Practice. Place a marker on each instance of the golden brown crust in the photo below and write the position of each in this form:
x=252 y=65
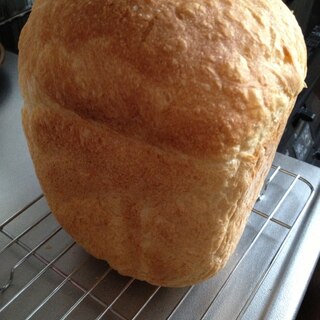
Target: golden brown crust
x=152 y=124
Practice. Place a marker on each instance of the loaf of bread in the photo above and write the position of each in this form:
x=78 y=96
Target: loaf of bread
x=152 y=123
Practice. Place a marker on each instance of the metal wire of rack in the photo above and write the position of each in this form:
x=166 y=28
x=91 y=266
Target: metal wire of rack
x=45 y=274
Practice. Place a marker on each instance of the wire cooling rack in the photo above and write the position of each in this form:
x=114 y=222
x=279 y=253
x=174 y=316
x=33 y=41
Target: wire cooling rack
x=44 y=274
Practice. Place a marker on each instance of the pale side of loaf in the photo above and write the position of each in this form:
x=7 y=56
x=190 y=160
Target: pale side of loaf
x=152 y=123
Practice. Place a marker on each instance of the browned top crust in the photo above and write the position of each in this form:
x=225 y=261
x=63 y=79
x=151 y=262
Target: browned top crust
x=201 y=77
